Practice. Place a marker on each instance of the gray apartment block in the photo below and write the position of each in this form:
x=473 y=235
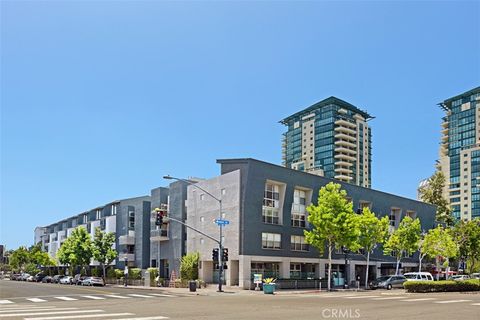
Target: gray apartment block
x=128 y=218
x=265 y=205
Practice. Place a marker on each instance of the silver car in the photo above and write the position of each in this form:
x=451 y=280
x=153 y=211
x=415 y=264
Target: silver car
x=93 y=281
x=388 y=282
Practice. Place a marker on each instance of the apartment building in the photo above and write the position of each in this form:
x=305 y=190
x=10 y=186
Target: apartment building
x=266 y=207
x=129 y=219
x=460 y=153
x=331 y=138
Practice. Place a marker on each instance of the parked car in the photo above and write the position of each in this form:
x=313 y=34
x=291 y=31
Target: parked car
x=31 y=279
x=388 y=282
x=66 y=280
x=93 y=281
x=56 y=278
x=475 y=276
x=24 y=277
x=39 y=276
x=47 y=279
x=460 y=277
x=15 y=276
x=418 y=276
x=78 y=279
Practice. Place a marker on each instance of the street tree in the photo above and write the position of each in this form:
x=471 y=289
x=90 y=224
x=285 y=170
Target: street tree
x=334 y=224
x=403 y=240
x=76 y=250
x=432 y=192
x=372 y=232
x=19 y=258
x=102 y=248
x=467 y=235
x=439 y=243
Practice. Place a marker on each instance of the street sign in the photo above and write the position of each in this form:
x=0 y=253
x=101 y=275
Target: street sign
x=222 y=222
x=257 y=278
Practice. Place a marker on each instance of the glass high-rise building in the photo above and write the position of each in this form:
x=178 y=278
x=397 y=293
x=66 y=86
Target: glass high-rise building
x=460 y=153
x=330 y=138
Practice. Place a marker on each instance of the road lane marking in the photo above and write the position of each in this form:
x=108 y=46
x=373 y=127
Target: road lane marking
x=34 y=309
x=94 y=297
x=145 y=318
x=46 y=313
x=452 y=301
x=419 y=299
x=360 y=297
x=115 y=296
x=84 y=316
x=65 y=298
x=475 y=304
x=36 y=300
x=139 y=295
x=5 y=301
x=162 y=295
x=388 y=298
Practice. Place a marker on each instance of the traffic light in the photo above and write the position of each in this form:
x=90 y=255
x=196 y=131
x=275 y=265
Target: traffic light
x=215 y=254
x=225 y=255
x=159 y=216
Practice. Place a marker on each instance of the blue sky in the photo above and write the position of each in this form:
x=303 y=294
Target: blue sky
x=99 y=100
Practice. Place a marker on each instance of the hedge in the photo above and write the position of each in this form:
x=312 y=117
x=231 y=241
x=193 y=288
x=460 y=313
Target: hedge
x=442 y=286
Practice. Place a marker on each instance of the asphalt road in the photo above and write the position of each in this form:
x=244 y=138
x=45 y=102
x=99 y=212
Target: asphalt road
x=105 y=303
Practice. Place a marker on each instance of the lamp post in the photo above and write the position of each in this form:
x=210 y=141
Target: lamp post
x=345 y=251
x=125 y=271
x=220 y=241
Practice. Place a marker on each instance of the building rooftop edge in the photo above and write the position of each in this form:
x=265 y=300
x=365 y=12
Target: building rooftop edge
x=461 y=95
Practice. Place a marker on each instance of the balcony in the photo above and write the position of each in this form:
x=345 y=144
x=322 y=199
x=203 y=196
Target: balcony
x=345 y=123
x=345 y=156
x=343 y=170
x=343 y=177
x=126 y=240
x=344 y=136
x=345 y=130
x=345 y=150
x=343 y=163
x=159 y=235
x=345 y=143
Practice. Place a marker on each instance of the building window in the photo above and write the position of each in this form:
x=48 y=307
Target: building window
x=224 y=191
x=114 y=209
x=297 y=243
x=131 y=218
x=298 y=216
x=98 y=214
x=202 y=197
x=411 y=214
x=363 y=204
x=271 y=240
x=394 y=217
x=295 y=271
x=271 y=204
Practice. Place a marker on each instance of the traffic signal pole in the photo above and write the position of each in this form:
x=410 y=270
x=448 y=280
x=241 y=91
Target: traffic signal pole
x=220 y=253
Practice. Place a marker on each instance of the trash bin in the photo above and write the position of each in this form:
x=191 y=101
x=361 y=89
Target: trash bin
x=192 y=285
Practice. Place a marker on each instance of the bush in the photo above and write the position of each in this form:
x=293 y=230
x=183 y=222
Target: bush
x=96 y=272
x=189 y=266
x=442 y=286
x=153 y=272
x=135 y=273
x=118 y=273
x=111 y=274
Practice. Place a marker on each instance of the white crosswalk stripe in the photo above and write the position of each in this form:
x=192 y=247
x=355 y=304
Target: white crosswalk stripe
x=65 y=298
x=163 y=295
x=83 y=316
x=94 y=297
x=115 y=296
x=360 y=297
x=139 y=295
x=475 y=304
x=22 y=309
x=36 y=300
x=419 y=299
x=5 y=301
x=145 y=318
x=451 y=301
x=46 y=313
x=388 y=298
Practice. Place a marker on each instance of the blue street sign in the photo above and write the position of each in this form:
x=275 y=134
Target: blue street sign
x=222 y=222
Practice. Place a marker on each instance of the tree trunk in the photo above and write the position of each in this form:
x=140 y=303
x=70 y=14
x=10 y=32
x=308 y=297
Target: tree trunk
x=438 y=267
x=366 y=272
x=398 y=265
x=104 y=276
x=329 y=286
x=420 y=258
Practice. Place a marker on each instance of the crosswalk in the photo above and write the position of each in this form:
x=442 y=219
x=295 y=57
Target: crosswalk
x=402 y=298
x=40 y=300
x=33 y=312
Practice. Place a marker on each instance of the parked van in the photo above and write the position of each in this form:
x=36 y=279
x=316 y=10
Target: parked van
x=418 y=276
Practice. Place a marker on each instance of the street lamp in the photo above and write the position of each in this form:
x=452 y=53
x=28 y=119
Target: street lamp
x=220 y=241
x=345 y=252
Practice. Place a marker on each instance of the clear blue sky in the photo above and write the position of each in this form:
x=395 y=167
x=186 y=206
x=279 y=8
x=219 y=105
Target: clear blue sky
x=99 y=100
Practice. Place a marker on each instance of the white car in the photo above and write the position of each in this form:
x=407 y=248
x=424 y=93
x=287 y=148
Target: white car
x=66 y=280
x=460 y=277
x=418 y=276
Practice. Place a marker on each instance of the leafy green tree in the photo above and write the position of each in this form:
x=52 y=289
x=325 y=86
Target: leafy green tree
x=76 y=250
x=189 y=266
x=467 y=235
x=334 y=224
x=19 y=258
x=404 y=240
x=432 y=192
x=373 y=231
x=438 y=243
x=39 y=257
x=102 y=247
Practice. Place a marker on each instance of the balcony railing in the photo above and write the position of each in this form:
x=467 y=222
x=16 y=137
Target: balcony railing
x=159 y=235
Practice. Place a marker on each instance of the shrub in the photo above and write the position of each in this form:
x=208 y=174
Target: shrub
x=153 y=272
x=118 y=273
x=135 y=273
x=189 y=266
x=96 y=272
x=111 y=274
x=442 y=286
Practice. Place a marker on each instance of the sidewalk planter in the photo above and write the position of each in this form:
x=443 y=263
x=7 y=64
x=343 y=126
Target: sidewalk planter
x=269 y=288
